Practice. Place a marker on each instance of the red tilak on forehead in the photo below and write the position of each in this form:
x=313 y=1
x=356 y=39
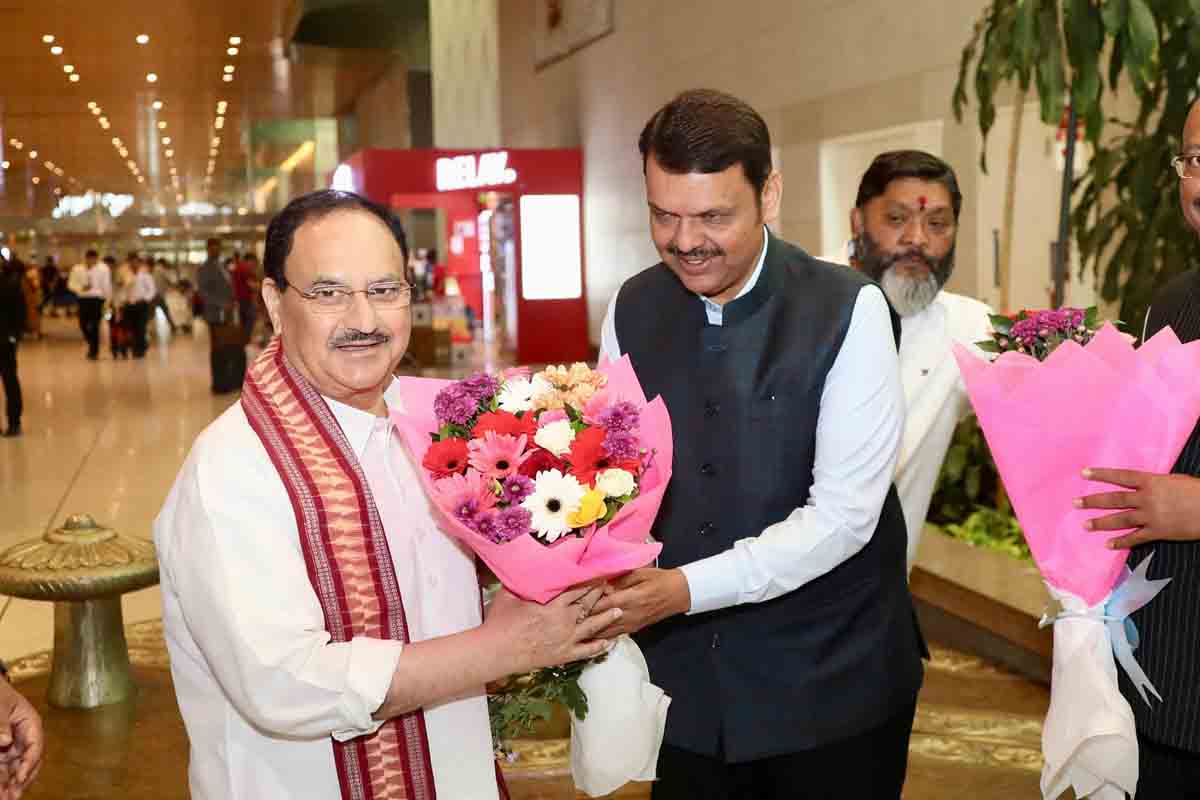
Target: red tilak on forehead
x=923 y=201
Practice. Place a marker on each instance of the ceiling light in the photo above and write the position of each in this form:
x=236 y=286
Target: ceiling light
x=15 y=142
x=68 y=68
x=96 y=111
x=216 y=141
x=157 y=105
x=141 y=179
x=4 y=164
x=131 y=165
x=166 y=140
x=33 y=154
x=36 y=180
x=116 y=141
x=162 y=124
x=92 y=105
x=57 y=190
x=169 y=154
x=56 y=50
x=104 y=124
x=233 y=40
x=124 y=152
x=233 y=51
x=220 y=123
x=213 y=152
x=227 y=78
x=75 y=78
x=151 y=77
x=48 y=38
x=50 y=165
x=142 y=38
x=58 y=171
x=229 y=68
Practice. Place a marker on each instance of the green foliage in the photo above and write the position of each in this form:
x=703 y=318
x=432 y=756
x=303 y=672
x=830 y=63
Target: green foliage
x=1126 y=219
x=524 y=700
x=969 y=501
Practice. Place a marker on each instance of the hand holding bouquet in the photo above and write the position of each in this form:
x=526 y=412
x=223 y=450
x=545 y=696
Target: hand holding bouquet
x=1060 y=397
x=554 y=480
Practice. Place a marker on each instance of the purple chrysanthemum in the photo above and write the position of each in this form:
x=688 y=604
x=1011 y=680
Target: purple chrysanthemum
x=515 y=488
x=621 y=445
x=485 y=525
x=621 y=416
x=455 y=405
x=480 y=386
x=512 y=522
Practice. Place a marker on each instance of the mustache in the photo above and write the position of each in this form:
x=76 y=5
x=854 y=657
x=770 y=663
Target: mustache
x=913 y=254
x=355 y=336
x=697 y=252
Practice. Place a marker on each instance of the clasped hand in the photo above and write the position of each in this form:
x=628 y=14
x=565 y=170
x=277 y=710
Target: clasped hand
x=1156 y=507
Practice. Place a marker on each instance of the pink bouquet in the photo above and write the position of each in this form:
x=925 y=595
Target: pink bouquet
x=553 y=479
x=1056 y=400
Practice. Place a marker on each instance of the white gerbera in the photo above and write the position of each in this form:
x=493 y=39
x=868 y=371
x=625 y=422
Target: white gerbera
x=615 y=482
x=556 y=437
x=555 y=497
x=516 y=395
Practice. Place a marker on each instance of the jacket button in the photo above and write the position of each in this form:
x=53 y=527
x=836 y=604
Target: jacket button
x=707 y=470
x=711 y=409
x=706 y=529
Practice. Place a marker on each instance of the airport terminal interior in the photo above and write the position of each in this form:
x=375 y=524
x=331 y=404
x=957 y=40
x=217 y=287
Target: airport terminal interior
x=162 y=138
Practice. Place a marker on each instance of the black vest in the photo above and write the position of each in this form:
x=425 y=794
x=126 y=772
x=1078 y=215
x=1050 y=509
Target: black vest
x=837 y=656
x=1169 y=626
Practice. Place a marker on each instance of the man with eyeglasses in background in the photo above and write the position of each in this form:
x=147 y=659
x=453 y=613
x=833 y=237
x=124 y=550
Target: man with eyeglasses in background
x=325 y=636
x=1164 y=513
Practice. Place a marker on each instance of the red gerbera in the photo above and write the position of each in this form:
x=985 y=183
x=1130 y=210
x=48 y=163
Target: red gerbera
x=541 y=460
x=589 y=457
x=445 y=458
x=503 y=422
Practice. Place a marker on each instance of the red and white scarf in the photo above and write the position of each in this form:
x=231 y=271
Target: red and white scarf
x=348 y=562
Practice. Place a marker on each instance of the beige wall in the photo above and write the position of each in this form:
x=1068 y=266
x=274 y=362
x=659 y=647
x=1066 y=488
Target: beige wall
x=382 y=110
x=815 y=70
x=464 y=58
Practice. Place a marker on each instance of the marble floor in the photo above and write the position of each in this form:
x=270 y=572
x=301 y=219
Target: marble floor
x=107 y=437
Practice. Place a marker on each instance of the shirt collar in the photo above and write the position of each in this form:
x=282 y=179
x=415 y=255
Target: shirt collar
x=358 y=425
x=716 y=311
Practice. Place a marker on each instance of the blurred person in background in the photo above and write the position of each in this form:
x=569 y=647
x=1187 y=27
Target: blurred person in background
x=120 y=329
x=31 y=285
x=94 y=289
x=163 y=281
x=12 y=326
x=142 y=293
x=246 y=290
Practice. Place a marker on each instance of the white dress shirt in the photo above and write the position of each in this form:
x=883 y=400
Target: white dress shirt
x=857 y=439
x=99 y=282
x=144 y=290
x=936 y=398
x=260 y=686
x=77 y=280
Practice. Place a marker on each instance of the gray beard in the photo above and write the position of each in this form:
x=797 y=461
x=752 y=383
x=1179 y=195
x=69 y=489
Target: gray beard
x=909 y=296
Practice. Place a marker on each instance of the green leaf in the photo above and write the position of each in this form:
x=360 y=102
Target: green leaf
x=1091 y=318
x=989 y=346
x=1000 y=323
x=1115 y=13
x=1025 y=38
x=1143 y=32
x=1050 y=78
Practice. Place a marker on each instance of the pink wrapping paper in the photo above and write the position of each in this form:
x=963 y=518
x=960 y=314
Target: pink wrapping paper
x=1103 y=405
x=525 y=566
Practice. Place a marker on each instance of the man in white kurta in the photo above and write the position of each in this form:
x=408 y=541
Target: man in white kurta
x=905 y=224
x=263 y=690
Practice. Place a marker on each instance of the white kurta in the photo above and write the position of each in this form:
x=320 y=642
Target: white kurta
x=260 y=686
x=935 y=396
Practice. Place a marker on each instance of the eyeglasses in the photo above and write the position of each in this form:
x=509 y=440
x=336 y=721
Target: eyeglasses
x=338 y=299
x=1187 y=165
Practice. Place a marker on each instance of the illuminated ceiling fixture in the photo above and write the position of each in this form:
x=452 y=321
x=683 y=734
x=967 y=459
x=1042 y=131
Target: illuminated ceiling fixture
x=220 y=123
x=58 y=171
x=216 y=141
x=227 y=78
x=50 y=166
x=5 y=164
x=92 y=105
x=68 y=68
x=162 y=124
x=169 y=154
x=96 y=111
x=157 y=105
x=233 y=51
x=75 y=78
x=56 y=50
x=32 y=154
x=151 y=77
x=36 y=180
x=141 y=179
x=116 y=141
x=142 y=38
x=302 y=152
x=166 y=140
x=229 y=69
x=48 y=38
x=233 y=40
x=213 y=152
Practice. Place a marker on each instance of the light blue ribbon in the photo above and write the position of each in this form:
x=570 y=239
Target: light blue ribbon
x=1132 y=592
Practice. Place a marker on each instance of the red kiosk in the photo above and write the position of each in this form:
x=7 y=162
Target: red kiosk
x=535 y=298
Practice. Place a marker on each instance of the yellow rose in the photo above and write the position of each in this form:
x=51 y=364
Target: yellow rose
x=591 y=508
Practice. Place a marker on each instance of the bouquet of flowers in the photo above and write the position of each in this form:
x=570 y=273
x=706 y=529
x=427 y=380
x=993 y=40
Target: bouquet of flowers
x=1060 y=397
x=554 y=479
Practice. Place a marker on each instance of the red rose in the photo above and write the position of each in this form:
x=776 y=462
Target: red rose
x=502 y=422
x=541 y=460
x=445 y=458
x=589 y=457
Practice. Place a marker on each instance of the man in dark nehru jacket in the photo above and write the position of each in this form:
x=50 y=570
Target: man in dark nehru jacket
x=778 y=618
x=1164 y=511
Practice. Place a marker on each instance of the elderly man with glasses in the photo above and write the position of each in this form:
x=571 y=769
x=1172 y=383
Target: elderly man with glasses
x=1163 y=512
x=325 y=635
